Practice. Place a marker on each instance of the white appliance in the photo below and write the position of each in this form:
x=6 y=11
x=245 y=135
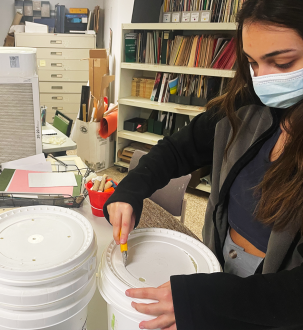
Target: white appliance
x=20 y=120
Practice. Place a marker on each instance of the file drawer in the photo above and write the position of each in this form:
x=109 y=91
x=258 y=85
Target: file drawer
x=63 y=65
x=63 y=76
x=62 y=54
x=60 y=98
x=71 y=110
x=61 y=87
x=53 y=40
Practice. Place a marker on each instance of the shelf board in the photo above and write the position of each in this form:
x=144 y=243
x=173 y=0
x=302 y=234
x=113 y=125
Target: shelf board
x=149 y=138
x=141 y=102
x=122 y=164
x=178 y=69
x=181 y=26
x=204 y=187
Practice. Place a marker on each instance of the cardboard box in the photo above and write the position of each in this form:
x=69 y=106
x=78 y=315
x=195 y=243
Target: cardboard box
x=9 y=41
x=98 y=67
x=78 y=10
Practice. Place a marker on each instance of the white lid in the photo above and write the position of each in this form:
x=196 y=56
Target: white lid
x=153 y=256
x=156 y=254
x=42 y=242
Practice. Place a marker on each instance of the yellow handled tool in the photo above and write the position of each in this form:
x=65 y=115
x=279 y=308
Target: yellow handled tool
x=123 y=248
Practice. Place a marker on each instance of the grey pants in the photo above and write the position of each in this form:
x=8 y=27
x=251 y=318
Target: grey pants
x=237 y=261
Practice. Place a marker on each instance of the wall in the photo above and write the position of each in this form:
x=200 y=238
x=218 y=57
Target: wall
x=116 y=12
x=7 y=14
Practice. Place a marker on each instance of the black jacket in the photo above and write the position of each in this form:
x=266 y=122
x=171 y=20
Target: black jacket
x=270 y=299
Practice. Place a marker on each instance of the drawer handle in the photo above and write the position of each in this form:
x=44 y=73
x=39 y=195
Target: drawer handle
x=56 y=53
x=56 y=42
x=56 y=64
x=57 y=87
x=57 y=98
x=56 y=76
x=57 y=108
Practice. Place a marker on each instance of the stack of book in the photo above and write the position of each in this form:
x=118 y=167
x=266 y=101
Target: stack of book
x=202 y=51
x=188 y=86
x=142 y=87
x=223 y=11
x=205 y=51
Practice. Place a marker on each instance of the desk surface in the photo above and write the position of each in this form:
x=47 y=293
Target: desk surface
x=69 y=144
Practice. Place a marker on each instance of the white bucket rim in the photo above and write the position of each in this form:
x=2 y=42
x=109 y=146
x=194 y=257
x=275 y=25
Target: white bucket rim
x=38 y=297
x=45 y=319
x=117 y=287
x=60 y=269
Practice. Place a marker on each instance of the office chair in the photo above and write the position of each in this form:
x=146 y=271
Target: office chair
x=63 y=123
x=170 y=197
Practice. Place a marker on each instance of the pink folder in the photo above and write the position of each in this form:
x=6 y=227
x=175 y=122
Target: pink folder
x=19 y=184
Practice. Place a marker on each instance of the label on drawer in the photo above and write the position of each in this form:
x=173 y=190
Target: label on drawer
x=42 y=63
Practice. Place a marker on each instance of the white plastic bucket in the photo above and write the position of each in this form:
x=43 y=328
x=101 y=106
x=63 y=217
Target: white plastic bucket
x=154 y=255
x=48 y=268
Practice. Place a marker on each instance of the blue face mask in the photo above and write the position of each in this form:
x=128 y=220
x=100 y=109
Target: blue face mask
x=280 y=90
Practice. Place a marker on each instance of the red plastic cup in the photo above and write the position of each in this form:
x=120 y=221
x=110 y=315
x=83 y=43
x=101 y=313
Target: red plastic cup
x=97 y=199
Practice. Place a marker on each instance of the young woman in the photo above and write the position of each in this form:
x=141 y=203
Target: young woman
x=253 y=137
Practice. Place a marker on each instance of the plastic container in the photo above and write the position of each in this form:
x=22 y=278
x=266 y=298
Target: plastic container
x=48 y=268
x=97 y=199
x=153 y=256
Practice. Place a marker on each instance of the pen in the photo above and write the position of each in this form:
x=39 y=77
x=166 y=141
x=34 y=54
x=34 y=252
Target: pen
x=123 y=248
x=57 y=160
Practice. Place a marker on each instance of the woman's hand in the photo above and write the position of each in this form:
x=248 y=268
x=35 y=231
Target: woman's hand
x=122 y=217
x=164 y=308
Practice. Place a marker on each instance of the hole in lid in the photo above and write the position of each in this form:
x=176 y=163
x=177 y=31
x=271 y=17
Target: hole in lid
x=2 y=238
x=69 y=236
x=34 y=259
x=33 y=220
x=34 y=239
x=141 y=279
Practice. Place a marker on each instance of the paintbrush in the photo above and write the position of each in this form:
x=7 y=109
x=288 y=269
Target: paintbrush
x=123 y=248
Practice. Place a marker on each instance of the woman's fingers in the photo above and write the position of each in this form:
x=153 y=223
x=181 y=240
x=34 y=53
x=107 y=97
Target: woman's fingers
x=144 y=293
x=149 y=309
x=161 y=322
x=122 y=217
x=115 y=220
x=127 y=214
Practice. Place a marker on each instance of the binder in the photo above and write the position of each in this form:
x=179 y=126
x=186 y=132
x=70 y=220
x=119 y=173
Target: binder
x=167 y=35
x=60 y=18
x=146 y=11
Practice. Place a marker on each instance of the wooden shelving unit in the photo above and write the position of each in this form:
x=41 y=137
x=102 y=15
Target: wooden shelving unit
x=178 y=69
x=130 y=106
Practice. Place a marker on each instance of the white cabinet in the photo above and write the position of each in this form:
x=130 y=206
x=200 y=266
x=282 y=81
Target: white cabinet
x=63 y=68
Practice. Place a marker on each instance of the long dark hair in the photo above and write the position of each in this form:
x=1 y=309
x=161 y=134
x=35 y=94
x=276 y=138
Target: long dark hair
x=281 y=190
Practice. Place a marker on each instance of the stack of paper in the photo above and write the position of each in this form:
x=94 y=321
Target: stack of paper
x=33 y=175
x=32 y=163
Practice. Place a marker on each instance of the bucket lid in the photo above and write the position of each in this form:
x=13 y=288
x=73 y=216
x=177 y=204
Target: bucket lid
x=154 y=255
x=43 y=242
